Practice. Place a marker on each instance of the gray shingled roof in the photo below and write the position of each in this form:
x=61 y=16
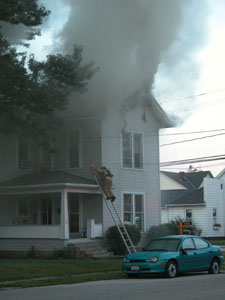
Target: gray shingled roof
x=46 y=177
x=195 y=178
x=168 y=196
x=192 y=198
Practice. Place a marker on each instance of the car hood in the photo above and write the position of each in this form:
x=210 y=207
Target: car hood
x=148 y=255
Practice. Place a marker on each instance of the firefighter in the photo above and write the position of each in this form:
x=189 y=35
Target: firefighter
x=106 y=181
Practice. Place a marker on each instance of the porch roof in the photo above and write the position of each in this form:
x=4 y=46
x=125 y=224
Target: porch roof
x=48 y=179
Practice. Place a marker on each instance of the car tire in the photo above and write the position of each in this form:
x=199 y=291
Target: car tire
x=171 y=269
x=132 y=275
x=214 y=266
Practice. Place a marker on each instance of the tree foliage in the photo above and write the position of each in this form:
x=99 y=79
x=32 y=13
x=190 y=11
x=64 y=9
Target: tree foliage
x=32 y=91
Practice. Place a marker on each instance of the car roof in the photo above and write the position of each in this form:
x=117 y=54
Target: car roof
x=177 y=236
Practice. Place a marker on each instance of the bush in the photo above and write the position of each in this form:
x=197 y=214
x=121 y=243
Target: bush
x=32 y=253
x=63 y=253
x=171 y=228
x=115 y=241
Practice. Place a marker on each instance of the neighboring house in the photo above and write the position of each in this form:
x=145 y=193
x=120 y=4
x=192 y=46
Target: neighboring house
x=221 y=175
x=48 y=197
x=203 y=205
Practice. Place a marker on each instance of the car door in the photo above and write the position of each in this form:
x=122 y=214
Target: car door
x=188 y=259
x=203 y=253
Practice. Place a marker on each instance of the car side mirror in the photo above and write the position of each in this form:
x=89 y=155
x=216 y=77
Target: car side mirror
x=184 y=252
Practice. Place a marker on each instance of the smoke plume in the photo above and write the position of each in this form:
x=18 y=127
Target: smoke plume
x=126 y=39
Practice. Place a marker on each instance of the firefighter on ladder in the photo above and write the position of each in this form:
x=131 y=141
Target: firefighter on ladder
x=106 y=181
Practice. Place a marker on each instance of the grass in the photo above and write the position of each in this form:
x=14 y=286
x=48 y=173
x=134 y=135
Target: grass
x=19 y=269
x=217 y=242
x=32 y=272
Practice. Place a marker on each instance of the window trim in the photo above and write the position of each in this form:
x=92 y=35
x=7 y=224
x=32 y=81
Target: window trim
x=133 y=205
x=132 y=150
x=80 y=147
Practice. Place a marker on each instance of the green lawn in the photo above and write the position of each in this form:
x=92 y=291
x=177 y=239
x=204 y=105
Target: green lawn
x=33 y=272
x=217 y=242
x=17 y=269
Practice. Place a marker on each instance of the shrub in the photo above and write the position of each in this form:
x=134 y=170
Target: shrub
x=63 y=253
x=171 y=228
x=115 y=241
x=32 y=253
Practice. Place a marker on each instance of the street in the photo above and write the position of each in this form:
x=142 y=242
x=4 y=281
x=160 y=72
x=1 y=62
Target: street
x=186 y=287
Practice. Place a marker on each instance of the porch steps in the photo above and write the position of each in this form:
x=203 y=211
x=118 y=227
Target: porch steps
x=91 y=249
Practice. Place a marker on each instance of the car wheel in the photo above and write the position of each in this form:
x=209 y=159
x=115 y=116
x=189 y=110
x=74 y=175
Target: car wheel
x=214 y=267
x=132 y=275
x=171 y=269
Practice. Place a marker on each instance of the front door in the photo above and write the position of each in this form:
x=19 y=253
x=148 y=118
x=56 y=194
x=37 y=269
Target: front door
x=73 y=202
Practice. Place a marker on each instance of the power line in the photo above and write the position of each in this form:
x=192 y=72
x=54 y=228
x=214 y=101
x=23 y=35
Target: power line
x=192 y=96
x=198 y=106
x=191 y=140
x=193 y=160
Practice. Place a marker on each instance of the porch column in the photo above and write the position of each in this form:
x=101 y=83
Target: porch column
x=64 y=216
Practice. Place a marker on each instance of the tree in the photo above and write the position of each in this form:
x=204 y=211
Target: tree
x=31 y=91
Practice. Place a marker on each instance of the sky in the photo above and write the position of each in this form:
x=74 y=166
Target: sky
x=176 y=46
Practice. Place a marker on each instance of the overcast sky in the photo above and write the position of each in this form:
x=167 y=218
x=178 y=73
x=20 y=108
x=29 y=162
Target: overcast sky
x=178 y=46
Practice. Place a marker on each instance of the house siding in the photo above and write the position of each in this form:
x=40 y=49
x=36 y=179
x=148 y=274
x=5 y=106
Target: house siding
x=144 y=181
x=214 y=197
x=167 y=183
x=25 y=244
x=198 y=216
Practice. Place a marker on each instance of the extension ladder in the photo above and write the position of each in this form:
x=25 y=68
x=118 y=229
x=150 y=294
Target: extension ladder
x=117 y=220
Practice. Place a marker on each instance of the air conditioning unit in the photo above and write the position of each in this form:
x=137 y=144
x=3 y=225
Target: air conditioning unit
x=24 y=164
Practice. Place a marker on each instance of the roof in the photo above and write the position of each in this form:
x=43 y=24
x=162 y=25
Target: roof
x=195 y=197
x=84 y=108
x=218 y=176
x=168 y=196
x=46 y=177
x=192 y=179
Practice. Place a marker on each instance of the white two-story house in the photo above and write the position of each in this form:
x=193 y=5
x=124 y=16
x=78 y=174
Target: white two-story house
x=47 y=193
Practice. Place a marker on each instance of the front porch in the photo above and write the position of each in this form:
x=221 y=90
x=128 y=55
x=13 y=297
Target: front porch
x=37 y=211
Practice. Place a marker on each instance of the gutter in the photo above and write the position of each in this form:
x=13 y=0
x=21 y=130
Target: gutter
x=194 y=204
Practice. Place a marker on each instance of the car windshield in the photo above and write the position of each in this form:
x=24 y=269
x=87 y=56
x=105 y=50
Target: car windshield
x=163 y=245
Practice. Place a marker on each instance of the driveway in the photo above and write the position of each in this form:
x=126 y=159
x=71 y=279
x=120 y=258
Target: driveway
x=186 y=287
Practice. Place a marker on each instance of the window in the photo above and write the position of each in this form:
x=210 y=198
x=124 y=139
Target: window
x=188 y=244
x=46 y=211
x=22 y=207
x=200 y=244
x=46 y=155
x=74 y=150
x=23 y=152
x=132 y=150
x=133 y=207
x=188 y=214
x=214 y=216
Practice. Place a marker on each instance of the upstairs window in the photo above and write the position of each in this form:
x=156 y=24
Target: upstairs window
x=132 y=150
x=46 y=155
x=74 y=149
x=23 y=152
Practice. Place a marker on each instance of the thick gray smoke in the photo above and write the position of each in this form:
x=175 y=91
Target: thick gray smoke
x=125 y=38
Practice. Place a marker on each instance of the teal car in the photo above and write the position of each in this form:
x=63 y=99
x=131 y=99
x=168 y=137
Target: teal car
x=171 y=255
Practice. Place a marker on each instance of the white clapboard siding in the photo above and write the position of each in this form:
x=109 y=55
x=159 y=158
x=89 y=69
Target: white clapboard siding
x=127 y=180
x=214 y=197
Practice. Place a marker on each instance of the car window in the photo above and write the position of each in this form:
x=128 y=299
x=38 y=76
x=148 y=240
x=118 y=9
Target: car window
x=163 y=245
x=188 y=244
x=200 y=243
